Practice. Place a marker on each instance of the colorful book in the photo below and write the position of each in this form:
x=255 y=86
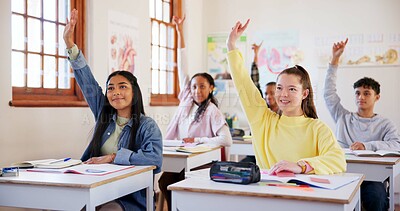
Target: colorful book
x=331 y=182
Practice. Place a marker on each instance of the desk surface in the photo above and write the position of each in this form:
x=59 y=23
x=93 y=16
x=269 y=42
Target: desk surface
x=72 y=180
x=245 y=141
x=176 y=161
x=342 y=195
x=373 y=160
x=59 y=191
x=170 y=152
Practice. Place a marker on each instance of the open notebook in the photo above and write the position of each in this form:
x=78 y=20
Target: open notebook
x=47 y=163
x=86 y=169
x=370 y=153
x=330 y=182
x=195 y=148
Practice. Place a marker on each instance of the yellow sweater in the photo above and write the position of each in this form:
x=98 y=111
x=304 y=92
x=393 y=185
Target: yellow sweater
x=279 y=138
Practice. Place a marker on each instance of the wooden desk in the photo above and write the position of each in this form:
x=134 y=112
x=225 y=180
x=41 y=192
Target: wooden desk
x=376 y=169
x=196 y=193
x=72 y=191
x=244 y=147
x=176 y=161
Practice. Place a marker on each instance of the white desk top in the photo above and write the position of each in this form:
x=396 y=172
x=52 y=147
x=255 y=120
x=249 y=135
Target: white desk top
x=343 y=195
x=170 y=152
x=72 y=180
x=373 y=160
x=245 y=141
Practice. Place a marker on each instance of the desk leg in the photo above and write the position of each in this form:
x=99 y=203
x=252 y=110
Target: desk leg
x=149 y=196
x=236 y=157
x=173 y=200
x=358 y=205
x=391 y=193
x=90 y=207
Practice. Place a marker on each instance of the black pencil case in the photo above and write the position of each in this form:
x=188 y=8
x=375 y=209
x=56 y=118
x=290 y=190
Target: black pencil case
x=235 y=172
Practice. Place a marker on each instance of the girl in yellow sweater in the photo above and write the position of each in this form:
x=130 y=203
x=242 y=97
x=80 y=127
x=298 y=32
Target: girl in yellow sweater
x=293 y=139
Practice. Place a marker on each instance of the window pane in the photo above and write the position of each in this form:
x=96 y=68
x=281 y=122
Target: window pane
x=61 y=44
x=49 y=10
x=159 y=10
x=166 y=12
x=154 y=81
x=34 y=8
x=18 y=69
x=49 y=73
x=171 y=36
x=154 y=32
x=18 y=6
x=154 y=57
x=63 y=74
x=151 y=9
x=170 y=60
x=49 y=38
x=63 y=10
x=163 y=35
x=18 y=32
x=34 y=41
x=163 y=59
x=34 y=70
x=163 y=83
x=170 y=83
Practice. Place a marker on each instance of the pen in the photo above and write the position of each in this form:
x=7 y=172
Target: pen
x=60 y=160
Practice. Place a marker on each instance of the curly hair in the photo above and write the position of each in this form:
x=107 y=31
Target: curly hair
x=368 y=83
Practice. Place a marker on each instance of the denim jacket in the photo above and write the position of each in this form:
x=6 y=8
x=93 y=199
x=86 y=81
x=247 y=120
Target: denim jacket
x=148 y=150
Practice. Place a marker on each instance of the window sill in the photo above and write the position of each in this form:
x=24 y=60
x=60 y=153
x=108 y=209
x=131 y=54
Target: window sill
x=46 y=103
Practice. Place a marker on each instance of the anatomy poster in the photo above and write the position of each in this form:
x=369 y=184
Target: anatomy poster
x=122 y=41
x=278 y=51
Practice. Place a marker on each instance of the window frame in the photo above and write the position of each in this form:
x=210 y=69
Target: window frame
x=54 y=97
x=168 y=99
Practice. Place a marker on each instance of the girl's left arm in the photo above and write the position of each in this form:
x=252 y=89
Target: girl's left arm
x=330 y=158
x=150 y=151
x=223 y=138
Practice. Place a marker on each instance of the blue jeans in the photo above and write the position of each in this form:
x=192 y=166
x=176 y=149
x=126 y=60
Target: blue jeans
x=374 y=196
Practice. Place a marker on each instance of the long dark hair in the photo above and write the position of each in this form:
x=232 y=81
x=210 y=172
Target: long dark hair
x=108 y=111
x=307 y=104
x=203 y=105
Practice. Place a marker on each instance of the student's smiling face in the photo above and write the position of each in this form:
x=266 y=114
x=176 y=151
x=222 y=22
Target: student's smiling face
x=120 y=95
x=200 y=89
x=289 y=94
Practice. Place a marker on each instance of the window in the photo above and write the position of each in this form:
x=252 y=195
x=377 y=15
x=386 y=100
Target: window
x=164 y=86
x=41 y=76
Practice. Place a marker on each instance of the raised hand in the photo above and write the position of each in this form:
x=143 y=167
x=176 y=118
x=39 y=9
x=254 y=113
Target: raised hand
x=337 y=51
x=179 y=29
x=70 y=29
x=178 y=22
x=256 y=47
x=237 y=31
